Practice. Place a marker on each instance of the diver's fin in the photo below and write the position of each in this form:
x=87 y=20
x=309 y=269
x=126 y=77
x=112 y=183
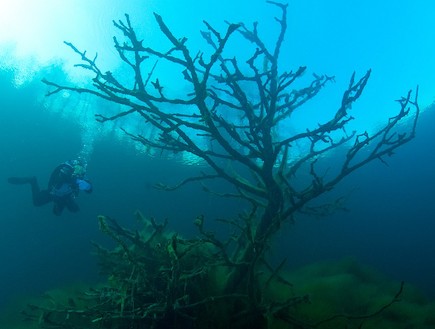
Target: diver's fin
x=20 y=180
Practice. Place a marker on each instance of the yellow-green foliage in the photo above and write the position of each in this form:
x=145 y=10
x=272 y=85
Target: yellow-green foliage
x=334 y=288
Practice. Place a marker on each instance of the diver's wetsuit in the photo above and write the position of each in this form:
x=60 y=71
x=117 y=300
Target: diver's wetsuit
x=63 y=188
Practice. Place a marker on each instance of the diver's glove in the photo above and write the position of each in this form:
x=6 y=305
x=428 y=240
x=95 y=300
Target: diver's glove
x=84 y=185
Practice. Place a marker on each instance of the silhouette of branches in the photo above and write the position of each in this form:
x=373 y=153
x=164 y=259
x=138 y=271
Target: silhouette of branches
x=233 y=117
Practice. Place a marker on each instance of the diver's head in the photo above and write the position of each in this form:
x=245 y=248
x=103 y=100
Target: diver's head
x=79 y=167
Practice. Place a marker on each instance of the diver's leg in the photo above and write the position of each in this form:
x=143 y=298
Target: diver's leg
x=72 y=205
x=39 y=197
x=58 y=207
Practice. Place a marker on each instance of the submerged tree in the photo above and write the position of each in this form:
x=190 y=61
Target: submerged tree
x=231 y=117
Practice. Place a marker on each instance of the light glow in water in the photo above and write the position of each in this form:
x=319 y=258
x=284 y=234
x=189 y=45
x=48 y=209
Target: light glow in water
x=396 y=41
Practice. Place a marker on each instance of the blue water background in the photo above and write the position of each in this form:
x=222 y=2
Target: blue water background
x=389 y=225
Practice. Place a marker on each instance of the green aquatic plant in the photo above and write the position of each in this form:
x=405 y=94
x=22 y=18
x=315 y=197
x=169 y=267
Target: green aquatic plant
x=157 y=279
x=232 y=117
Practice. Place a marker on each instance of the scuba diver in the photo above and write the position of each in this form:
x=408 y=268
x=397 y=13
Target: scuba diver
x=65 y=182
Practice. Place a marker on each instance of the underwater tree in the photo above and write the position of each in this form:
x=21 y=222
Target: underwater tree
x=232 y=117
